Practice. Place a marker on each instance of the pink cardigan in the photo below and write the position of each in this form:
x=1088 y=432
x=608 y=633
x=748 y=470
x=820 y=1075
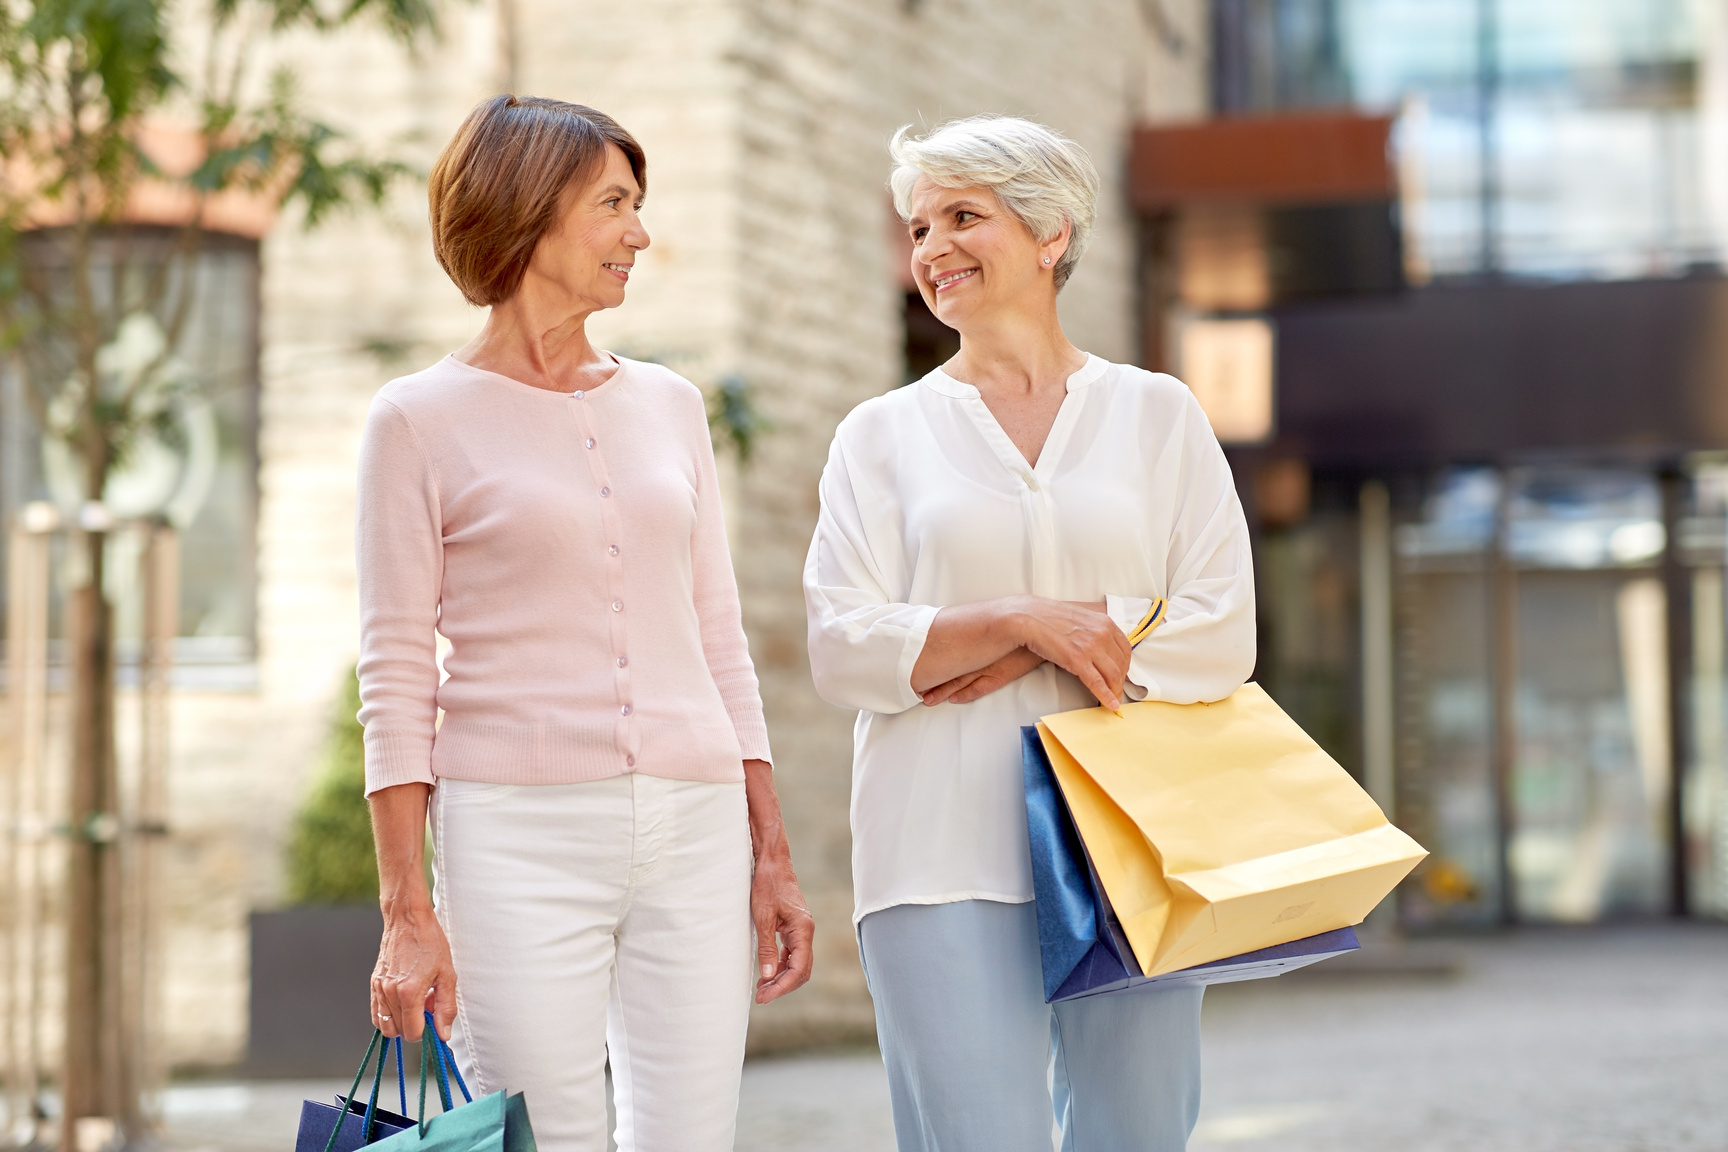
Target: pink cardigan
x=571 y=549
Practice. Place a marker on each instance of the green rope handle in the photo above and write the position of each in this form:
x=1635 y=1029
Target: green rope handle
x=355 y=1087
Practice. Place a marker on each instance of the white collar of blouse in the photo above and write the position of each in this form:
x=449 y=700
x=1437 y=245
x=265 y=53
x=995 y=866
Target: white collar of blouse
x=940 y=381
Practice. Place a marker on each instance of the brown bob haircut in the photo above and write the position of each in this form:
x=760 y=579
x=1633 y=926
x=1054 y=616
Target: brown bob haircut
x=496 y=188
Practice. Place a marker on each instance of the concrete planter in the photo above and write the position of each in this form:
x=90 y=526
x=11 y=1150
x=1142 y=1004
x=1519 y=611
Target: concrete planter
x=310 y=1011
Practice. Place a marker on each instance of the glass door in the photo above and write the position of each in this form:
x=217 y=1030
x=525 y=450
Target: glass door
x=1443 y=619
x=1704 y=549
x=1533 y=694
x=1590 y=771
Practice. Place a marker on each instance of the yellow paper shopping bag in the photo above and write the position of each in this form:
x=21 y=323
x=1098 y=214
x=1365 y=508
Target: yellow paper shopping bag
x=1218 y=829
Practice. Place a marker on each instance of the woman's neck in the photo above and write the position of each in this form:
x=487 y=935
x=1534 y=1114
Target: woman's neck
x=1015 y=352
x=538 y=346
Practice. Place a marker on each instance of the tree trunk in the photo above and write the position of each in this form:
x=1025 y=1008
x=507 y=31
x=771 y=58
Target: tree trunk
x=91 y=1082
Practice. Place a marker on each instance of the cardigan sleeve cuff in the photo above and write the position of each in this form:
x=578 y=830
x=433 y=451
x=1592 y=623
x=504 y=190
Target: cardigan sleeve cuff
x=752 y=732
x=394 y=758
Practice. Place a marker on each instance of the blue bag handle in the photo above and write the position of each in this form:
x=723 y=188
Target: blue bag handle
x=445 y=1059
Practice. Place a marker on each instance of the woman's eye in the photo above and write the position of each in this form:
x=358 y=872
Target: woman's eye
x=918 y=234
x=962 y=216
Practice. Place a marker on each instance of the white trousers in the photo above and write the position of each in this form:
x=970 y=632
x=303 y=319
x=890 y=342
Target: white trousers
x=595 y=920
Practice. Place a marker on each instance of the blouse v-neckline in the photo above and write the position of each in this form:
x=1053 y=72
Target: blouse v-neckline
x=1055 y=441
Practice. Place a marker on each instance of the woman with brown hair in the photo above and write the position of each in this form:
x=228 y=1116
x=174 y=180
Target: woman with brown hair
x=600 y=790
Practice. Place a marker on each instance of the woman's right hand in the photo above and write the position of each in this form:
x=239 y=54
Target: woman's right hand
x=414 y=974
x=1078 y=638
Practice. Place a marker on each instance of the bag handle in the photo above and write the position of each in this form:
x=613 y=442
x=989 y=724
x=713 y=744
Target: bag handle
x=370 y=1120
x=444 y=1058
x=401 y=1081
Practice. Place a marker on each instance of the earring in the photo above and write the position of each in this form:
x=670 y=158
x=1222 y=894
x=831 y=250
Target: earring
x=1046 y=259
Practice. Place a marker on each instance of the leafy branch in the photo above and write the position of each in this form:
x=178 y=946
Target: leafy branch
x=84 y=84
x=733 y=414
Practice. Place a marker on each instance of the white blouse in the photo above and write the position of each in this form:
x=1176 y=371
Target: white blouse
x=926 y=502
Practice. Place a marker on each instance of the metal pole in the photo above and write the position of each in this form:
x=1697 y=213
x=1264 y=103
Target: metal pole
x=1377 y=672
x=1677 y=584
x=1375 y=575
x=1487 y=142
x=1503 y=676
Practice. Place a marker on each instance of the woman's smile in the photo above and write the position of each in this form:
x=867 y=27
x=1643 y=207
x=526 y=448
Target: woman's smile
x=622 y=271
x=943 y=281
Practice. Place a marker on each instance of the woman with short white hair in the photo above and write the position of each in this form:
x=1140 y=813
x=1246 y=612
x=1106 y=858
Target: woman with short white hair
x=990 y=536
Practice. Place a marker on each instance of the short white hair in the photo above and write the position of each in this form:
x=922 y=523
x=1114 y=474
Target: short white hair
x=1039 y=175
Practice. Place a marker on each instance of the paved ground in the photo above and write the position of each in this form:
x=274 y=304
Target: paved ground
x=1599 y=1040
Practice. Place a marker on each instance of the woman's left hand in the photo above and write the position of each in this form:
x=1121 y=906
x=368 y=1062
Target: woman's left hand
x=785 y=931
x=976 y=685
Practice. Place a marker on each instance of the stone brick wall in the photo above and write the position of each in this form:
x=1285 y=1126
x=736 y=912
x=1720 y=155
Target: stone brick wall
x=824 y=85
x=765 y=122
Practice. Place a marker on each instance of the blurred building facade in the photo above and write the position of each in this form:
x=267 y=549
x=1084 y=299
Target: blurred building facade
x=1485 y=460
x=775 y=265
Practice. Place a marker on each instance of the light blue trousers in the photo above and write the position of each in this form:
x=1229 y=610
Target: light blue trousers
x=978 y=1062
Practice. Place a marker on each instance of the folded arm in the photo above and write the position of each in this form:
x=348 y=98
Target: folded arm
x=871 y=652
x=1204 y=647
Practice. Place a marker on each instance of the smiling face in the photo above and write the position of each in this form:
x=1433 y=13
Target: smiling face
x=975 y=260
x=585 y=259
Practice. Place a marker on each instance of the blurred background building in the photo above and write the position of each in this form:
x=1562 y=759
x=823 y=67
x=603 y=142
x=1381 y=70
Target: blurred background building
x=1484 y=465
x=1446 y=275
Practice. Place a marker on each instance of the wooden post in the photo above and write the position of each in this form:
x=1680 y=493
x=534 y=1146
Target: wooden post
x=90 y=1084
x=26 y=821
x=141 y=1068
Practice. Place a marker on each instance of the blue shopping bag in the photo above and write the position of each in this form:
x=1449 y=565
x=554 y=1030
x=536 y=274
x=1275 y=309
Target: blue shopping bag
x=1081 y=943
x=351 y=1124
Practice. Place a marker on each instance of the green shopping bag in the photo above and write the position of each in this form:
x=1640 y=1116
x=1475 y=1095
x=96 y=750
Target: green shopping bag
x=494 y=1123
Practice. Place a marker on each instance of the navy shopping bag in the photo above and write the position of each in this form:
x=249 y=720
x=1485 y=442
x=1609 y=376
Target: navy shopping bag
x=494 y=1123
x=350 y=1124
x=1080 y=941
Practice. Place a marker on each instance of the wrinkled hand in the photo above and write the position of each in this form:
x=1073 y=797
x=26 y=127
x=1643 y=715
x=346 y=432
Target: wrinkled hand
x=1080 y=640
x=414 y=974
x=785 y=931
x=976 y=685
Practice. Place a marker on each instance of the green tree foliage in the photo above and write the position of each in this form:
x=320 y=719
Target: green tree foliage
x=331 y=859
x=734 y=417
x=83 y=83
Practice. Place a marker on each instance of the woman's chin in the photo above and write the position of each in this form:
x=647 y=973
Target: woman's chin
x=953 y=312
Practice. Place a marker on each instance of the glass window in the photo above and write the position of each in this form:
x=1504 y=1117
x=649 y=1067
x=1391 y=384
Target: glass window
x=1544 y=138
x=197 y=465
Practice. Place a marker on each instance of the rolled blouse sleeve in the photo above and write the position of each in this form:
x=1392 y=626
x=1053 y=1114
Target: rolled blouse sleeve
x=1203 y=649
x=863 y=641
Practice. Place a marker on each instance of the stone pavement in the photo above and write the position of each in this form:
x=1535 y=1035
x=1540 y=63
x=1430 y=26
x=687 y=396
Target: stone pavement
x=1559 y=1040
